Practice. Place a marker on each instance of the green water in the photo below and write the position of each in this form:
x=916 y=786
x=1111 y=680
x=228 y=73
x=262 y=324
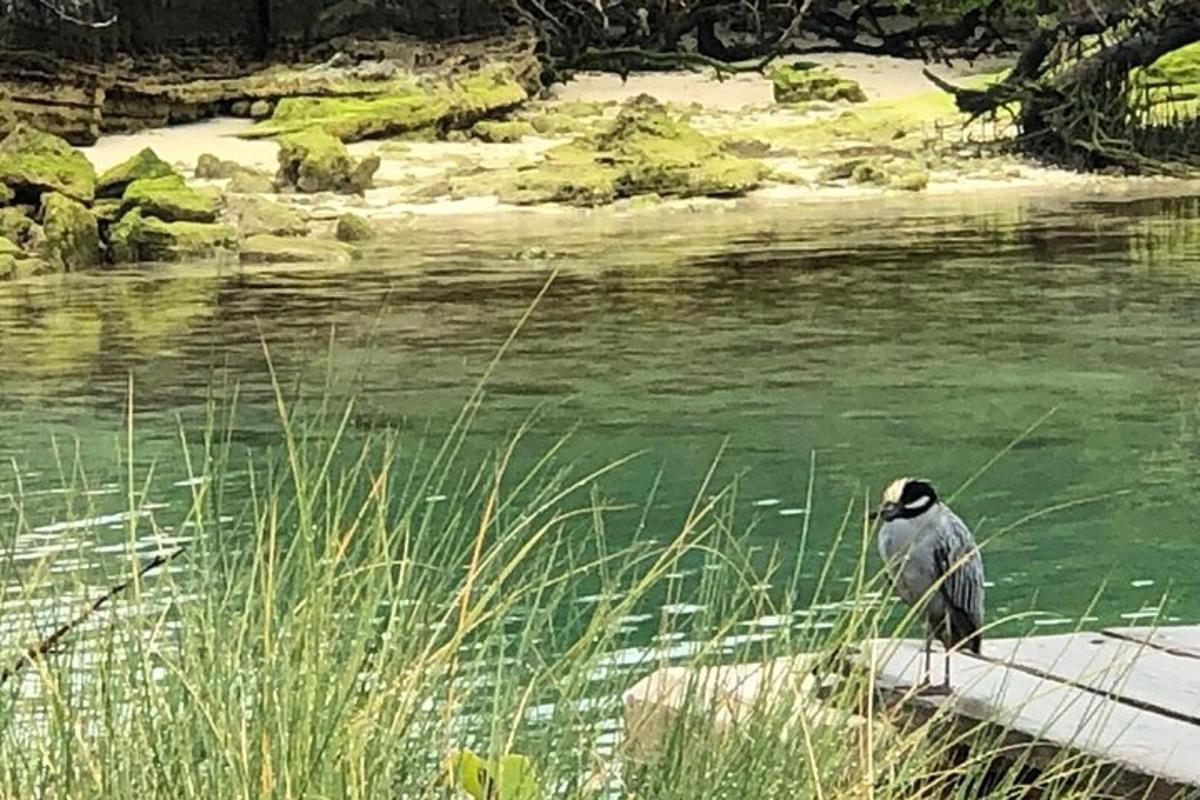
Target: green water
x=878 y=339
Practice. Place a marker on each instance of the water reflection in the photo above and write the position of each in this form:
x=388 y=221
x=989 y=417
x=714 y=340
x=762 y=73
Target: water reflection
x=884 y=339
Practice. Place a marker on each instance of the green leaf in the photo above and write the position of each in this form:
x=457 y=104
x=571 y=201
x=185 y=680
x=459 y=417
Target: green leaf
x=513 y=779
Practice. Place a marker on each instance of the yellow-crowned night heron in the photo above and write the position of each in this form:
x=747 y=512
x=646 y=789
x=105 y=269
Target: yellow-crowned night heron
x=935 y=567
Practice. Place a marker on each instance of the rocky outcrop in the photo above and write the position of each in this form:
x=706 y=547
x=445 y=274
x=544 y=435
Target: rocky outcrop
x=806 y=82
x=315 y=161
x=170 y=199
x=33 y=163
x=144 y=165
x=72 y=235
x=646 y=150
x=138 y=237
x=404 y=104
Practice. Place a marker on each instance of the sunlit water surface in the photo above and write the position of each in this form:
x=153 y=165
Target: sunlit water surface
x=872 y=339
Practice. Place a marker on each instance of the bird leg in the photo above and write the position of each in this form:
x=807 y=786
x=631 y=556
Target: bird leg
x=927 y=688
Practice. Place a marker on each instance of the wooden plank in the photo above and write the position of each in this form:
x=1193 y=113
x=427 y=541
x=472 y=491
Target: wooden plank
x=1139 y=743
x=1181 y=640
x=1134 y=672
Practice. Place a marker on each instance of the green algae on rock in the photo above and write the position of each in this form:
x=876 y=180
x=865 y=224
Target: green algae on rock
x=805 y=82
x=252 y=215
x=315 y=161
x=138 y=237
x=353 y=228
x=497 y=131
x=33 y=163
x=72 y=235
x=7 y=195
x=144 y=164
x=647 y=149
x=15 y=224
x=267 y=249
x=409 y=106
x=170 y=199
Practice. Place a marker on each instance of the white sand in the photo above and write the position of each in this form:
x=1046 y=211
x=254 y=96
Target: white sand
x=183 y=144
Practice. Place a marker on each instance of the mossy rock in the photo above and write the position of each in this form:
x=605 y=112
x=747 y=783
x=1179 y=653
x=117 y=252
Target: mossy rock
x=805 y=82
x=353 y=228
x=498 y=131
x=33 y=163
x=870 y=172
x=250 y=183
x=170 y=199
x=209 y=167
x=15 y=268
x=268 y=249
x=138 y=237
x=10 y=248
x=108 y=210
x=558 y=124
x=7 y=195
x=252 y=215
x=72 y=235
x=314 y=161
x=647 y=149
x=411 y=106
x=145 y=164
x=15 y=224
x=913 y=179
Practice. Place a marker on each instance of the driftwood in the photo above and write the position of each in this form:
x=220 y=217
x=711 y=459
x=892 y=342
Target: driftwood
x=1074 y=86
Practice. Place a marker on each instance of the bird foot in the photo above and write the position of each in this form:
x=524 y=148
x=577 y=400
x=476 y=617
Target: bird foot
x=933 y=690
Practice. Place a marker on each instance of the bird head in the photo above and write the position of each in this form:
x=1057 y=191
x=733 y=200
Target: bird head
x=906 y=498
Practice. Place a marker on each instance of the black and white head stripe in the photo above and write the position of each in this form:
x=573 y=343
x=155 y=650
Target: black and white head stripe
x=917 y=497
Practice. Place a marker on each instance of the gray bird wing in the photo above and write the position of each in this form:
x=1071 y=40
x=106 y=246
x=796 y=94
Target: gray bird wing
x=960 y=568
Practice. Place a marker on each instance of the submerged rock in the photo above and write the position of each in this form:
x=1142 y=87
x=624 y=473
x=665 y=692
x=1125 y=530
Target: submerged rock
x=170 y=199
x=353 y=228
x=804 y=82
x=314 y=161
x=410 y=105
x=72 y=236
x=138 y=237
x=15 y=267
x=267 y=249
x=33 y=163
x=145 y=164
x=252 y=215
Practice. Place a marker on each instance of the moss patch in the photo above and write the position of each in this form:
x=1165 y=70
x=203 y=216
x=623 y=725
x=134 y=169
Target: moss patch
x=72 y=236
x=1173 y=82
x=353 y=228
x=142 y=238
x=645 y=150
x=410 y=106
x=170 y=199
x=145 y=164
x=803 y=82
x=315 y=161
x=7 y=195
x=33 y=162
x=15 y=224
x=497 y=131
x=267 y=249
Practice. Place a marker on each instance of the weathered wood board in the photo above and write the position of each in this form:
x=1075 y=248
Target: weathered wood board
x=1126 y=698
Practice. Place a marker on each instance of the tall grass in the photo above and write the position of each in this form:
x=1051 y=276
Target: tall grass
x=353 y=606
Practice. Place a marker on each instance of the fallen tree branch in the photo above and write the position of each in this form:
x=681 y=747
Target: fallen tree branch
x=41 y=648
x=66 y=16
